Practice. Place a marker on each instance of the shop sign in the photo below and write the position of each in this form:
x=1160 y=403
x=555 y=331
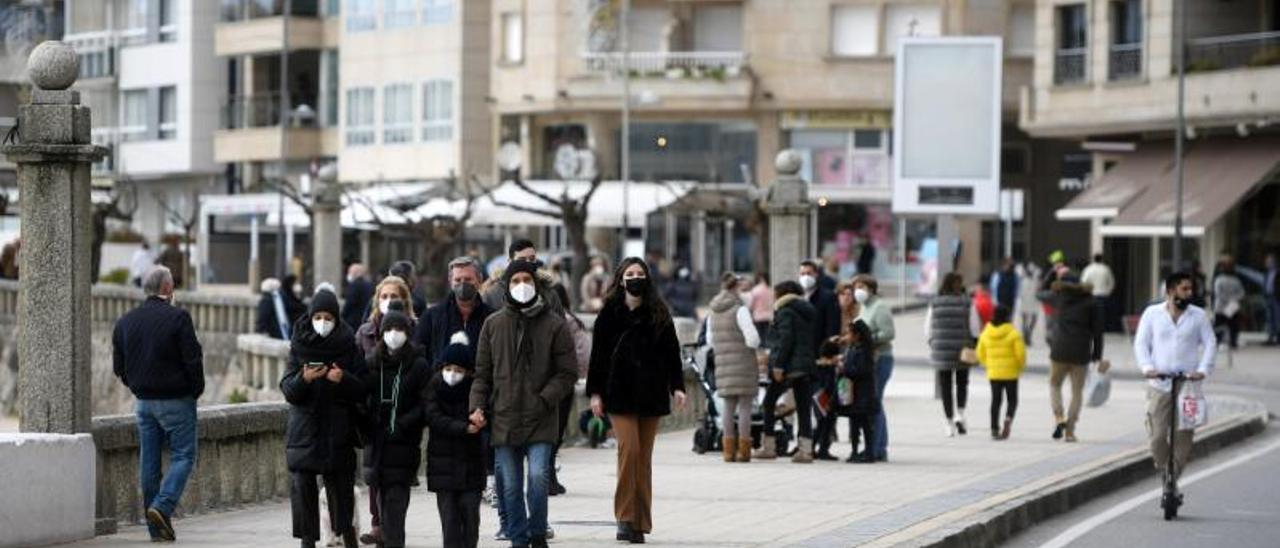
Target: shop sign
x=837 y=119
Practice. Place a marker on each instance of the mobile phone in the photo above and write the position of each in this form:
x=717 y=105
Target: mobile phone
x=316 y=365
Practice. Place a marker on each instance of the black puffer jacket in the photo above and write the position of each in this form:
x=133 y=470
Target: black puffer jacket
x=792 y=346
x=323 y=416
x=1077 y=334
x=635 y=365
x=394 y=416
x=454 y=458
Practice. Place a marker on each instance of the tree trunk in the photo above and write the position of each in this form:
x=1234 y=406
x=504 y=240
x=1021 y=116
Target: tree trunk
x=576 y=225
x=99 y=236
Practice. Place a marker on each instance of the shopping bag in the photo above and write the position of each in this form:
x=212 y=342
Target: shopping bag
x=1193 y=408
x=845 y=389
x=1097 y=385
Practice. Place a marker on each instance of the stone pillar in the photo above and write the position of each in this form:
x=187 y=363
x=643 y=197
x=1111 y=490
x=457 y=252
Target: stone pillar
x=326 y=231
x=53 y=162
x=789 y=209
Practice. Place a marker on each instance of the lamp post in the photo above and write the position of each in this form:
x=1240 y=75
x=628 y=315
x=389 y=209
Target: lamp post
x=626 y=126
x=1181 y=54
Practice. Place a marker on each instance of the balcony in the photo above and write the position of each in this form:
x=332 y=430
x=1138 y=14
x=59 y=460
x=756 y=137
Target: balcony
x=252 y=130
x=664 y=80
x=244 y=10
x=252 y=111
x=1258 y=49
x=673 y=65
x=259 y=26
x=1070 y=66
x=1125 y=62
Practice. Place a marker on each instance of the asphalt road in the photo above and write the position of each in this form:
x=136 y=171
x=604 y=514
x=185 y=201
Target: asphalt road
x=1232 y=499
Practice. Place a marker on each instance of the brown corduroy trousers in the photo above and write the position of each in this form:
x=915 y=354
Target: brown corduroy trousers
x=633 y=498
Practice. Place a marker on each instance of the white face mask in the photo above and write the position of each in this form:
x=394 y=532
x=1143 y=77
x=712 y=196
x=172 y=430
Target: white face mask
x=322 y=327
x=523 y=293
x=452 y=378
x=861 y=295
x=394 y=339
x=807 y=281
x=297 y=289
x=383 y=306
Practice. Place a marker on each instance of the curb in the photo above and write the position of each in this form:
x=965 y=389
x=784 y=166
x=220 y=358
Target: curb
x=999 y=523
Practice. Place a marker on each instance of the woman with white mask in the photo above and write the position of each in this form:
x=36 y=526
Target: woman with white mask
x=323 y=388
x=879 y=319
x=390 y=289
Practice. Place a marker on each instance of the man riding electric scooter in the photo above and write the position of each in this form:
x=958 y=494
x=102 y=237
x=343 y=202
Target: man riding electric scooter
x=1175 y=341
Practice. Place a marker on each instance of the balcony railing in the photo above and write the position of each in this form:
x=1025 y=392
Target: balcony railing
x=244 y=10
x=670 y=64
x=96 y=51
x=1069 y=65
x=261 y=110
x=1125 y=62
x=1257 y=49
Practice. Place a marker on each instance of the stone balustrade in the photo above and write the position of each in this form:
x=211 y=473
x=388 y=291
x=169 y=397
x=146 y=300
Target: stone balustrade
x=262 y=362
x=211 y=313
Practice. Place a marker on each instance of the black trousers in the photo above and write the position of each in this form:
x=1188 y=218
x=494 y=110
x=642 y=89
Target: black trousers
x=825 y=430
x=566 y=406
x=961 y=378
x=803 y=396
x=1228 y=326
x=304 y=498
x=861 y=422
x=459 y=518
x=393 y=506
x=1000 y=389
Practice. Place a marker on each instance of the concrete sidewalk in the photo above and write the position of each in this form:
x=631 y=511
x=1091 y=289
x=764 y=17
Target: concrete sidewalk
x=931 y=484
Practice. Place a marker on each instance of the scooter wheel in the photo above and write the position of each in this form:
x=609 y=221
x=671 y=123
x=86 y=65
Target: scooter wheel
x=1169 y=502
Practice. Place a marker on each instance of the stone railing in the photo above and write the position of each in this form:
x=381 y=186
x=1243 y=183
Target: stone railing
x=211 y=313
x=240 y=460
x=262 y=361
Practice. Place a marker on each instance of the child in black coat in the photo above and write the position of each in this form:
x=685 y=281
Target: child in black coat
x=859 y=368
x=455 y=463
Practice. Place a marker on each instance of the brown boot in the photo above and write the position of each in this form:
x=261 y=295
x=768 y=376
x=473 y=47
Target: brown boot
x=744 y=450
x=767 y=450
x=728 y=446
x=1008 y=426
x=804 y=451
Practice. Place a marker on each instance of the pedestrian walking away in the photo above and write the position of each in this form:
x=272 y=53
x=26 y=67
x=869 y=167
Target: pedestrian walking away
x=1271 y=298
x=1098 y=275
x=455 y=469
x=951 y=325
x=1027 y=310
x=1076 y=341
x=734 y=341
x=792 y=361
x=525 y=366
x=323 y=388
x=1228 y=296
x=1001 y=351
x=1173 y=337
x=394 y=380
x=156 y=354
x=635 y=376
x=879 y=319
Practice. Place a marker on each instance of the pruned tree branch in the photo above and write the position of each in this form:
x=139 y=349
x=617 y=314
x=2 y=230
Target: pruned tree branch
x=533 y=210
x=519 y=182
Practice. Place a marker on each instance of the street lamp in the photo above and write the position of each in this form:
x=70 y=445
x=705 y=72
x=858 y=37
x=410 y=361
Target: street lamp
x=1181 y=134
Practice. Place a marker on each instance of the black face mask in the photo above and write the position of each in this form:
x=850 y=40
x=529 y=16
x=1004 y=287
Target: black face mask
x=636 y=287
x=464 y=291
x=1181 y=303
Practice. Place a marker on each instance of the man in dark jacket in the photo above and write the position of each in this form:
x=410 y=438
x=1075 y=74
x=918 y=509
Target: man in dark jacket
x=462 y=310
x=1076 y=341
x=407 y=272
x=525 y=365
x=356 y=296
x=827 y=326
x=156 y=354
x=792 y=357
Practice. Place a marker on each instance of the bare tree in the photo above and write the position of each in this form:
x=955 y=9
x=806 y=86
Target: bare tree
x=121 y=207
x=570 y=211
x=187 y=219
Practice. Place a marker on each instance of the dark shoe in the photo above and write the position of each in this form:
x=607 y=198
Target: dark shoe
x=624 y=531
x=865 y=458
x=882 y=458
x=308 y=543
x=349 y=539
x=372 y=537
x=853 y=455
x=1008 y=428
x=636 y=537
x=161 y=523
x=995 y=433
x=1057 y=430
x=960 y=429
x=826 y=455
x=537 y=542
x=555 y=489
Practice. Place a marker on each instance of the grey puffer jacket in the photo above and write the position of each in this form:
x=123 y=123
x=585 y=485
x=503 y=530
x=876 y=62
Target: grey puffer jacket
x=736 y=373
x=949 y=330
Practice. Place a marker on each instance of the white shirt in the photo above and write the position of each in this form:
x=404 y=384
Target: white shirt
x=1165 y=347
x=745 y=324
x=1099 y=276
x=140 y=263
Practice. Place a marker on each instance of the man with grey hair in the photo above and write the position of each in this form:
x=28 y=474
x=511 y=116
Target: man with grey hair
x=461 y=310
x=156 y=354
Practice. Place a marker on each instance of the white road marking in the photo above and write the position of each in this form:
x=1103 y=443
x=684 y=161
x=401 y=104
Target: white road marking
x=1084 y=527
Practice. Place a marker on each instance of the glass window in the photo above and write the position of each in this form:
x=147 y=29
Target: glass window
x=361 y=15
x=168 y=112
x=135 y=14
x=398 y=13
x=512 y=38
x=715 y=152
x=360 y=127
x=133 y=111
x=868 y=139
x=330 y=91
x=168 y=21
x=1022 y=30
x=649 y=28
x=436 y=11
x=854 y=30
x=717 y=28
x=397 y=113
x=909 y=20
x=332 y=8
x=1126 y=22
x=843 y=157
x=437 y=110
x=1072 y=27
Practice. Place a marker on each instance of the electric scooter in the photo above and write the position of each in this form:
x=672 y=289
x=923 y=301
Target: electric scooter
x=1171 y=499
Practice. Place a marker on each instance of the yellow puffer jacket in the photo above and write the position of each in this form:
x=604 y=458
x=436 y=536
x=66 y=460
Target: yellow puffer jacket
x=1002 y=352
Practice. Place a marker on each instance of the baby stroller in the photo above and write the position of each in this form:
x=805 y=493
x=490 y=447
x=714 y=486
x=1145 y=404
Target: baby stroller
x=707 y=436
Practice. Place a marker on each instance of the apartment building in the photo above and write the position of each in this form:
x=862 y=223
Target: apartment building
x=719 y=87
x=153 y=84
x=1106 y=78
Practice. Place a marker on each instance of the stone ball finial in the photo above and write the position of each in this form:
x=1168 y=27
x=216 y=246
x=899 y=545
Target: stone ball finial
x=788 y=162
x=53 y=65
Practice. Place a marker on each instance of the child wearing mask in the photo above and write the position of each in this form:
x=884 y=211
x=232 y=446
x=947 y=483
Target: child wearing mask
x=1002 y=351
x=859 y=368
x=455 y=464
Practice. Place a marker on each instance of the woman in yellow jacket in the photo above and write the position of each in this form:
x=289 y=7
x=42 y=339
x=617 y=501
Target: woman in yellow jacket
x=1002 y=352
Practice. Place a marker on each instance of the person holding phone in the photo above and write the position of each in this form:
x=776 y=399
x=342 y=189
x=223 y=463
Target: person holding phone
x=322 y=385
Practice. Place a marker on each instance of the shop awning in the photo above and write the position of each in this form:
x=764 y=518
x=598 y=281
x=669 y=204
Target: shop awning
x=1119 y=187
x=604 y=211
x=1218 y=172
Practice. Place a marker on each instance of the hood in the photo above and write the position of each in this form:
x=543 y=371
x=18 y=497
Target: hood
x=799 y=304
x=1072 y=287
x=724 y=302
x=1002 y=333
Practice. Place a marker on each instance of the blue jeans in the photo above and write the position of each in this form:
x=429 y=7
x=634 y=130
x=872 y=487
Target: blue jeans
x=162 y=423
x=884 y=370
x=510 y=465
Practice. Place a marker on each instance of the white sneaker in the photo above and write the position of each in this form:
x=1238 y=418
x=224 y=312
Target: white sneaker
x=950 y=429
x=500 y=536
x=609 y=444
x=489 y=495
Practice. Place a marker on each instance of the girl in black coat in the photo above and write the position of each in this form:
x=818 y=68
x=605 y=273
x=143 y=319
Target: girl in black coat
x=859 y=368
x=393 y=429
x=455 y=463
x=323 y=388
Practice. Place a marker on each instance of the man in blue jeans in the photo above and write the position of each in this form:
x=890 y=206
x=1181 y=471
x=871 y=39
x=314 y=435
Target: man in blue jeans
x=156 y=354
x=525 y=366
